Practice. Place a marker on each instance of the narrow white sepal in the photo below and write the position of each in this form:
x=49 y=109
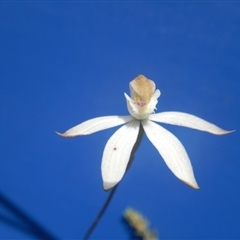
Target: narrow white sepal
x=172 y=152
x=117 y=153
x=95 y=125
x=187 y=120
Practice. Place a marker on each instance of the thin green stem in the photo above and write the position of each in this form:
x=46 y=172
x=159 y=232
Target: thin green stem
x=113 y=190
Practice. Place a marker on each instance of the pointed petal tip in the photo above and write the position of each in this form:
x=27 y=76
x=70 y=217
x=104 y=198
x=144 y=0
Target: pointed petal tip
x=192 y=185
x=196 y=187
x=221 y=131
x=227 y=132
x=64 y=135
x=108 y=185
x=60 y=134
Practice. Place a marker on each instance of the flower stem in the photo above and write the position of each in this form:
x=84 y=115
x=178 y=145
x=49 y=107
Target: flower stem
x=98 y=217
x=113 y=190
x=136 y=145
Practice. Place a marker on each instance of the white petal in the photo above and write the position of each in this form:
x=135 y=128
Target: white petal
x=172 y=152
x=154 y=101
x=117 y=153
x=187 y=120
x=95 y=125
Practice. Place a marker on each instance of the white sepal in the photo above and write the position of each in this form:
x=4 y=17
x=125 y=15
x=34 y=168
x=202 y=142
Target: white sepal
x=172 y=152
x=95 y=125
x=187 y=120
x=117 y=153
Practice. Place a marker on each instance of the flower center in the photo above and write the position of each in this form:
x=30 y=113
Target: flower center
x=143 y=99
x=142 y=89
x=140 y=104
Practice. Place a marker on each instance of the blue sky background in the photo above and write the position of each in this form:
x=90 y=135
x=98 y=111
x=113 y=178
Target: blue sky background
x=65 y=62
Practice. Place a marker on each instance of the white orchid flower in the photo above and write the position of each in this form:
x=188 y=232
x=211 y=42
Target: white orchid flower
x=141 y=106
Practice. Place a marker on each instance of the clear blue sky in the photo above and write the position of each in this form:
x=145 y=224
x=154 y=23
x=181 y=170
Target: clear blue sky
x=62 y=63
